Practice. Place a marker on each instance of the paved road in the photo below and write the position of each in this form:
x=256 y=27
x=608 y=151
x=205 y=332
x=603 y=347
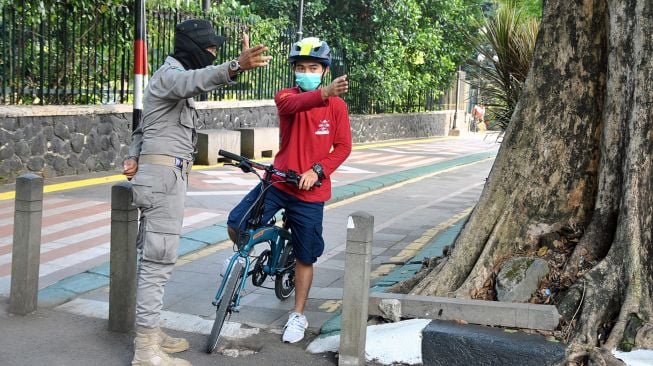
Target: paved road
x=407 y=216
x=76 y=222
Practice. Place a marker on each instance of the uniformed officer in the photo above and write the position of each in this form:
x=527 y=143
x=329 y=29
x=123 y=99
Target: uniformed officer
x=160 y=157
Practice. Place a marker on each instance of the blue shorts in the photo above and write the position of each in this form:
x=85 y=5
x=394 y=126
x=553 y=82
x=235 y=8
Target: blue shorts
x=304 y=219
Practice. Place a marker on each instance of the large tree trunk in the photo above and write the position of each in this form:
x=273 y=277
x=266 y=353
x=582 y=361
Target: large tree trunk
x=576 y=159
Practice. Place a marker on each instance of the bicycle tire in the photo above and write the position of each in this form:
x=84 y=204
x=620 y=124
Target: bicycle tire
x=224 y=307
x=284 y=282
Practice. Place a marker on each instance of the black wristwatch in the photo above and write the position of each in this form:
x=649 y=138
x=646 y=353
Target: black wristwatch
x=317 y=168
x=235 y=66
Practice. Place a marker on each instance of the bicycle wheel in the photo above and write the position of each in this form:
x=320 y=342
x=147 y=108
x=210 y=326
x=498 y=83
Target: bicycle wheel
x=225 y=305
x=284 y=283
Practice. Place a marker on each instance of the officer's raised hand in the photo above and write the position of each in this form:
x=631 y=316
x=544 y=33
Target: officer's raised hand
x=338 y=86
x=249 y=58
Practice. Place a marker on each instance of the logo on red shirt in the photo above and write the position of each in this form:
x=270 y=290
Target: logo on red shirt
x=323 y=128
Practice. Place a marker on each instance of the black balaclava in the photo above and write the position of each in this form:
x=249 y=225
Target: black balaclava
x=192 y=38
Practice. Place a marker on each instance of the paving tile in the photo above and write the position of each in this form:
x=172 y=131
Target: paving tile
x=333 y=264
x=323 y=277
x=380 y=259
x=192 y=303
x=264 y=317
x=100 y=294
x=326 y=293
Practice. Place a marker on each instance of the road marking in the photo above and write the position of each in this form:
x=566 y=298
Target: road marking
x=422 y=162
x=401 y=184
x=401 y=142
x=70 y=185
x=8 y=210
x=217 y=193
x=390 y=160
x=343 y=169
x=202 y=216
x=428 y=237
x=62 y=260
x=331 y=305
x=119 y=177
x=362 y=155
x=384 y=269
x=67 y=225
x=204 y=252
x=428 y=204
x=237 y=181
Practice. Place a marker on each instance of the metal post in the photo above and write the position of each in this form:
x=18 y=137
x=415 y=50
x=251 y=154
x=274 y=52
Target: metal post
x=300 y=21
x=140 y=61
x=122 y=289
x=480 y=58
x=455 y=113
x=206 y=6
x=358 y=262
x=26 y=250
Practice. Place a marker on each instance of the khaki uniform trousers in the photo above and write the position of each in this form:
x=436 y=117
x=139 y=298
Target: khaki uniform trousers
x=159 y=192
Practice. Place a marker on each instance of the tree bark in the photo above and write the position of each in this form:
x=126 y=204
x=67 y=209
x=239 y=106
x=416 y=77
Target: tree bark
x=577 y=154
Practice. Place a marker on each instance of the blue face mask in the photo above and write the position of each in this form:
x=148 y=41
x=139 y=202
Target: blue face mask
x=308 y=81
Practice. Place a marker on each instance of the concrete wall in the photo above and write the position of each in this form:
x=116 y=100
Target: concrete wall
x=70 y=140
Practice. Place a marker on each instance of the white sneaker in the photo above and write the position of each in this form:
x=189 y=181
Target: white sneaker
x=294 y=328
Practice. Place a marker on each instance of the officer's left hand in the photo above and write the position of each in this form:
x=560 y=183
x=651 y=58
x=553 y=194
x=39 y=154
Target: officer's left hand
x=130 y=167
x=251 y=58
x=308 y=179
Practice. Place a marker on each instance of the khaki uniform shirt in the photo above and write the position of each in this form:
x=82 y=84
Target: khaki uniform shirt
x=169 y=116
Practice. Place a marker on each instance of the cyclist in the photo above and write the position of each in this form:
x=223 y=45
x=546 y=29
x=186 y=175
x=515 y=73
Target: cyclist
x=315 y=139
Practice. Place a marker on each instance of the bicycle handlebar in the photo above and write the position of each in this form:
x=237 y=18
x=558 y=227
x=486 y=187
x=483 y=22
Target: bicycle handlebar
x=246 y=165
x=230 y=155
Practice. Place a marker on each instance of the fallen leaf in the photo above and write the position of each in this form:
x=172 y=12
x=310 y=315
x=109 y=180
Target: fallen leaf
x=542 y=251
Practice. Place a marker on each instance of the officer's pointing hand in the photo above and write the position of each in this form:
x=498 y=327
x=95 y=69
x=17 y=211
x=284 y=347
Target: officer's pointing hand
x=251 y=58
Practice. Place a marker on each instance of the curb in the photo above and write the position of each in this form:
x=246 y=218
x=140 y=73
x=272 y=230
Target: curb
x=97 y=277
x=448 y=343
x=401 y=273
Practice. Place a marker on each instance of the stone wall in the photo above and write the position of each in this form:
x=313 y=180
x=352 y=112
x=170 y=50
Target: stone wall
x=382 y=127
x=71 y=140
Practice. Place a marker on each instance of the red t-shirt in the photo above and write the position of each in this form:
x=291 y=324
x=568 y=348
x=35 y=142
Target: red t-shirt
x=311 y=131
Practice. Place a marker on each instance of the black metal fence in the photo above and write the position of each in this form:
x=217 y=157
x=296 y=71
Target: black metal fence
x=63 y=53
x=69 y=55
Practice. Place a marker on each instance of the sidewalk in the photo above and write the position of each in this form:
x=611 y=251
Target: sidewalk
x=410 y=206
x=56 y=338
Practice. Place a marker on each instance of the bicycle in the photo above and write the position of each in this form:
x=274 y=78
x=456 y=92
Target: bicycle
x=277 y=261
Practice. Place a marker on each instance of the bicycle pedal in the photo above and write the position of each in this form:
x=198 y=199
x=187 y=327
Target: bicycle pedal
x=235 y=309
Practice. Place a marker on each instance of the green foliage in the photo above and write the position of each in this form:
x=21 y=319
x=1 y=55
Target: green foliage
x=394 y=51
x=507 y=42
x=392 y=47
x=528 y=8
